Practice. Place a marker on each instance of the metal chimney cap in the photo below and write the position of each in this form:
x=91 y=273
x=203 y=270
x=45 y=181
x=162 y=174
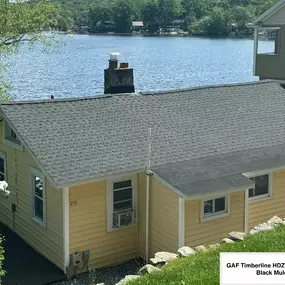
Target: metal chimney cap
x=114 y=55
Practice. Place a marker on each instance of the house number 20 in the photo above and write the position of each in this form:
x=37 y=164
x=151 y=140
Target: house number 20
x=73 y=203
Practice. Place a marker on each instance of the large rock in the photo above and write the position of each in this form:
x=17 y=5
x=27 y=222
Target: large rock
x=261 y=228
x=200 y=248
x=275 y=221
x=227 y=240
x=148 y=269
x=185 y=251
x=162 y=257
x=213 y=246
x=127 y=279
x=236 y=236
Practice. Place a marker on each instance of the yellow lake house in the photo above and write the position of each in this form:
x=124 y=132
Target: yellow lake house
x=96 y=181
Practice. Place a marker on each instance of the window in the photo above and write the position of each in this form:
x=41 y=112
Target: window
x=121 y=206
x=261 y=188
x=214 y=207
x=2 y=167
x=38 y=196
x=10 y=136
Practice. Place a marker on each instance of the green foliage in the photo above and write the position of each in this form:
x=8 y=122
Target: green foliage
x=97 y=14
x=124 y=13
x=2 y=272
x=23 y=22
x=150 y=15
x=203 y=267
x=168 y=10
x=207 y=17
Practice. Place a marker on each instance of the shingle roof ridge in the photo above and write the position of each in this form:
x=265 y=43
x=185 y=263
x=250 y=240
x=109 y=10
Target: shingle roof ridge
x=181 y=90
x=106 y=96
x=60 y=100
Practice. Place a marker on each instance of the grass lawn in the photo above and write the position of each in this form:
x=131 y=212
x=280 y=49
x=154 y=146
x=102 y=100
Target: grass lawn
x=203 y=267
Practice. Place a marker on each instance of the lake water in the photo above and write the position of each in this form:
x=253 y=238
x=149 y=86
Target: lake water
x=160 y=63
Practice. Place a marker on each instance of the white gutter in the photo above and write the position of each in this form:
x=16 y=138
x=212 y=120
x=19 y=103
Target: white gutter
x=181 y=223
x=148 y=173
x=65 y=214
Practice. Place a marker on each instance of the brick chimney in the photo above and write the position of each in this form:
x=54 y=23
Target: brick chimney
x=118 y=79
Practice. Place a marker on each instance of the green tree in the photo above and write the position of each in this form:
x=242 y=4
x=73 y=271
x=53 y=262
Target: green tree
x=22 y=22
x=151 y=16
x=124 y=13
x=64 y=20
x=99 y=13
x=169 y=10
x=220 y=22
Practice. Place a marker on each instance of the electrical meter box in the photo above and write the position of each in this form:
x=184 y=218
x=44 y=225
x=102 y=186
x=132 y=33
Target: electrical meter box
x=77 y=258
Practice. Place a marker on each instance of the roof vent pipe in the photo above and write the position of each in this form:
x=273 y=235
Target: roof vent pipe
x=113 y=61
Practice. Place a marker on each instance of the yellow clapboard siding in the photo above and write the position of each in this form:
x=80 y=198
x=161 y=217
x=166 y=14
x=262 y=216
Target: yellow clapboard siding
x=206 y=232
x=164 y=215
x=261 y=211
x=47 y=241
x=88 y=227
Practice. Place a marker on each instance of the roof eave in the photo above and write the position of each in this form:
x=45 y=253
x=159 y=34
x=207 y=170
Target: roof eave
x=258 y=21
x=199 y=195
x=220 y=192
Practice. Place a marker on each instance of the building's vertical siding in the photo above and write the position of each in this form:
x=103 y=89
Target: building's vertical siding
x=261 y=211
x=270 y=65
x=88 y=228
x=277 y=19
x=47 y=241
x=207 y=232
x=142 y=214
x=164 y=215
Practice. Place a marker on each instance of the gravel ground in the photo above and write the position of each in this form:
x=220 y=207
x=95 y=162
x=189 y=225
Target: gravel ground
x=108 y=276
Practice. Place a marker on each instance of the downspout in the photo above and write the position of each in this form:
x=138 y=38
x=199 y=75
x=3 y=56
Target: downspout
x=148 y=173
x=65 y=209
x=246 y=211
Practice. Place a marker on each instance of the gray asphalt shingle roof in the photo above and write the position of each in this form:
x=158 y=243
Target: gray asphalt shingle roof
x=81 y=139
x=220 y=172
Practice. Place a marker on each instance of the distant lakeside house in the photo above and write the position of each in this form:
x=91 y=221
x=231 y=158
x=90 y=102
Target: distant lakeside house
x=95 y=181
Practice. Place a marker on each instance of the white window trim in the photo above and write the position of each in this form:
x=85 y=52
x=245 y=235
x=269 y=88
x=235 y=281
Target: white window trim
x=3 y=155
x=214 y=216
x=35 y=172
x=10 y=141
x=109 y=198
x=270 y=186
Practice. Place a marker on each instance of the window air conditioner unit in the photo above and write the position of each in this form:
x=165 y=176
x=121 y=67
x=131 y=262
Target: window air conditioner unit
x=123 y=218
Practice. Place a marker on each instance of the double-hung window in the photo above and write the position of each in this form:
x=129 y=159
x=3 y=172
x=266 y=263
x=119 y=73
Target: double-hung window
x=262 y=187
x=38 y=196
x=214 y=207
x=121 y=206
x=2 y=167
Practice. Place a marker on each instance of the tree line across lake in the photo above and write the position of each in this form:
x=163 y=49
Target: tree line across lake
x=203 y=17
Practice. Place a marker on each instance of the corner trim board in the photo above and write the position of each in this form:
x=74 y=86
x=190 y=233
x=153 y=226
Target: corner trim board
x=246 y=211
x=181 y=223
x=65 y=204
